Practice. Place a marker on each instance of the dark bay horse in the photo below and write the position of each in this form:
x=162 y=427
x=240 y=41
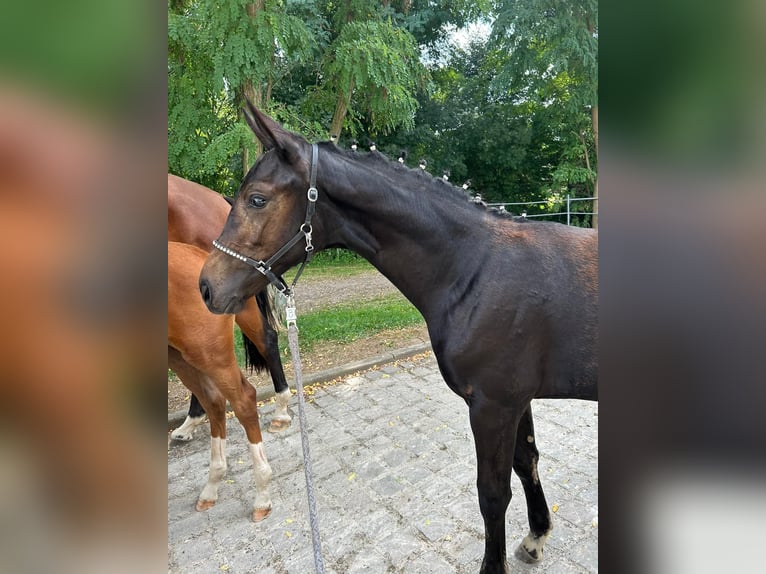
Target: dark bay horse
x=201 y=352
x=196 y=216
x=510 y=306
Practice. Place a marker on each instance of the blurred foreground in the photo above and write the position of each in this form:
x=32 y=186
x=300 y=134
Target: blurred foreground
x=683 y=263
x=82 y=295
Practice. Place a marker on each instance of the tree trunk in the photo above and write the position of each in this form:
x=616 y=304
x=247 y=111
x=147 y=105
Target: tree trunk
x=252 y=92
x=341 y=109
x=594 y=117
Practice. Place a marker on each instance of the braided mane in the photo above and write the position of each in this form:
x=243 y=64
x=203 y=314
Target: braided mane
x=415 y=178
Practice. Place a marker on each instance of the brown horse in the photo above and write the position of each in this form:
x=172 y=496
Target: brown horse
x=196 y=216
x=201 y=352
x=511 y=306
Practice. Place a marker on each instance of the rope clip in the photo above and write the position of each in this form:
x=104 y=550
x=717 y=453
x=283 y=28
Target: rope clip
x=290 y=312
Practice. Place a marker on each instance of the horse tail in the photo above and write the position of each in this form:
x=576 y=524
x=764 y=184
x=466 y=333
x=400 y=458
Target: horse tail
x=253 y=359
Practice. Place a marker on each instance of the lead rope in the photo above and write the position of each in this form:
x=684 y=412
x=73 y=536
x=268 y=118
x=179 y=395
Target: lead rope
x=292 y=337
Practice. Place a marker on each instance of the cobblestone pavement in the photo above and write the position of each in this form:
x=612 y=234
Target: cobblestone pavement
x=394 y=466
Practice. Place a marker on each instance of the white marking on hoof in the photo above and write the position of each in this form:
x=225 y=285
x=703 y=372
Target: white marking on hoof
x=185 y=432
x=262 y=474
x=281 y=419
x=531 y=548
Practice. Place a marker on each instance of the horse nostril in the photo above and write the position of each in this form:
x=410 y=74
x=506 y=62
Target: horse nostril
x=204 y=288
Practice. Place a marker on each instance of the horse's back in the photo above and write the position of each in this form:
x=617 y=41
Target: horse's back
x=196 y=214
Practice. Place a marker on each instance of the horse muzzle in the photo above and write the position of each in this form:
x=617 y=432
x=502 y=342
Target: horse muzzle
x=225 y=290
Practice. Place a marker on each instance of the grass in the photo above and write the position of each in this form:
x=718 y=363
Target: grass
x=349 y=322
x=332 y=263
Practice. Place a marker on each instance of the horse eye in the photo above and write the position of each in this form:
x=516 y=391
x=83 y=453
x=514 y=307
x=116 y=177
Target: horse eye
x=258 y=201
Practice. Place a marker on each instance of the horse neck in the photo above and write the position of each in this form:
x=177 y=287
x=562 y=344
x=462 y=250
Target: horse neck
x=420 y=239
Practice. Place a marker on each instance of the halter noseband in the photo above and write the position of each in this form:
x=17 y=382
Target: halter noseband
x=264 y=267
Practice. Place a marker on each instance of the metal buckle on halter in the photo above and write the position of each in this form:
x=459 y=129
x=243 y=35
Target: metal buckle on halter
x=313 y=194
x=307 y=233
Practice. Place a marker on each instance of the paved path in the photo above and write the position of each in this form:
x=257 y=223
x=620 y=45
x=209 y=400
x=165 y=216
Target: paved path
x=395 y=470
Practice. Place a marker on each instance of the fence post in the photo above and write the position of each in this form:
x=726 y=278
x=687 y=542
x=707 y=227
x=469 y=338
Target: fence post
x=568 y=209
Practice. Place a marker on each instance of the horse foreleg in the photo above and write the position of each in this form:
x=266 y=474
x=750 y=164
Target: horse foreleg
x=262 y=475
x=494 y=432
x=525 y=459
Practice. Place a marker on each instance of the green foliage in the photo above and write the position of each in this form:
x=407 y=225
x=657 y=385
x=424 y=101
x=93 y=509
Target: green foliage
x=512 y=113
x=552 y=62
x=379 y=64
x=480 y=130
x=214 y=47
x=548 y=38
x=336 y=257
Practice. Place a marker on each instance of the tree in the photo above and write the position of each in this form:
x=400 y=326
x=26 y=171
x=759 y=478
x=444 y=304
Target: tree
x=370 y=71
x=474 y=127
x=221 y=52
x=553 y=60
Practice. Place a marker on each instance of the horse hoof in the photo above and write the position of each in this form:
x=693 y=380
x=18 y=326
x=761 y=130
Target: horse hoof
x=533 y=557
x=181 y=437
x=203 y=505
x=279 y=425
x=260 y=513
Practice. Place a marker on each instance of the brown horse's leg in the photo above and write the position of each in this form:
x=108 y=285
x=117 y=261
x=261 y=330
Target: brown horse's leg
x=525 y=459
x=244 y=403
x=494 y=430
x=265 y=339
x=214 y=404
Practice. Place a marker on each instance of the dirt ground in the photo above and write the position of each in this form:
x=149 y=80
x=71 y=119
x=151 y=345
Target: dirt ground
x=316 y=293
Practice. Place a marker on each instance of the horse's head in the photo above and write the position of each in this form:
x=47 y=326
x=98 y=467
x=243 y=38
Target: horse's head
x=267 y=213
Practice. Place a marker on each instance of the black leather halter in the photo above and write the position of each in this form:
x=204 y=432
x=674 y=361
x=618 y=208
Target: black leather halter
x=304 y=231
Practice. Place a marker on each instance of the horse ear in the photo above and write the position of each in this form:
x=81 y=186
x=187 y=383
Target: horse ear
x=272 y=135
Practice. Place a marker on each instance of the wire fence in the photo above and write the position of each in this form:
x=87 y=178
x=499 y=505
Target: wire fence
x=556 y=215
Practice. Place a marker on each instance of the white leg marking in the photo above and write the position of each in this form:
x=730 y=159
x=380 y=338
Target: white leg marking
x=186 y=431
x=534 y=545
x=280 y=413
x=262 y=474
x=217 y=469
